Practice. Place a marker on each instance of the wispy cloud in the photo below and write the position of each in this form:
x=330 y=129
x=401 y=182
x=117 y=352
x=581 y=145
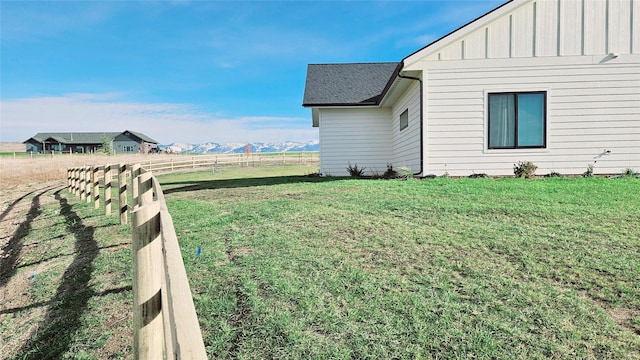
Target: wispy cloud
x=165 y=122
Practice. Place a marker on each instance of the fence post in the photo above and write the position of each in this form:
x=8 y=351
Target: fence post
x=148 y=334
x=78 y=182
x=72 y=183
x=107 y=190
x=95 y=178
x=135 y=192
x=83 y=186
x=87 y=183
x=69 y=187
x=122 y=185
x=145 y=188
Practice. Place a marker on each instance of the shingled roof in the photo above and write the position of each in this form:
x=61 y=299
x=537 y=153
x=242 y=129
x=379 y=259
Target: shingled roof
x=80 y=138
x=347 y=84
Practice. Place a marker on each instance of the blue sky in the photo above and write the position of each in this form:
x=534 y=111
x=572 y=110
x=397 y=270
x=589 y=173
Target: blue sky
x=195 y=71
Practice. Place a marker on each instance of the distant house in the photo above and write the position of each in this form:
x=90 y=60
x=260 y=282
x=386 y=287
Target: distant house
x=555 y=82
x=126 y=142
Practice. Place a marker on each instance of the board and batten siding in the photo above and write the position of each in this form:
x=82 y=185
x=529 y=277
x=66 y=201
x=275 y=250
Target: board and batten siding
x=406 y=142
x=550 y=28
x=354 y=135
x=584 y=53
x=593 y=106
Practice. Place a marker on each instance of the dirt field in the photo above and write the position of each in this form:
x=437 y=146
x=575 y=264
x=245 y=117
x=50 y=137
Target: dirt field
x=45 y=250
x=23 y=170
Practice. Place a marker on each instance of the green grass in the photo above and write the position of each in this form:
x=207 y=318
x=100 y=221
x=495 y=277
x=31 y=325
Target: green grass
x=296 y=266
x=307 y=267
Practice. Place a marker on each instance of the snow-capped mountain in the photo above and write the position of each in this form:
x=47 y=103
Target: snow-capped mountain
x=230 y=148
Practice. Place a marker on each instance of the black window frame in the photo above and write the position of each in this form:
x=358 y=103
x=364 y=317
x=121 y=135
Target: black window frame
x=515 y=131
x=406 y=125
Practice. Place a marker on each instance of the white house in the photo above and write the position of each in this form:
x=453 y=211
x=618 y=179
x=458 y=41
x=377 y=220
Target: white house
x=555 y=82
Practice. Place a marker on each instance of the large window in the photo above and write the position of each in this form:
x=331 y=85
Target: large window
x=517 y=120
x=404 y=119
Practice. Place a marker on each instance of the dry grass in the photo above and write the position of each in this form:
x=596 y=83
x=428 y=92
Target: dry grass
x=25 y=170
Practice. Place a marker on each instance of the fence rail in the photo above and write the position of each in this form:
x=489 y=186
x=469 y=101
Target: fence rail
x=165 y=320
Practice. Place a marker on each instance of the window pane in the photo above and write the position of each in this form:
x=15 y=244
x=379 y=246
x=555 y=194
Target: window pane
x=502 y=121
x=530 y=119
x=404 y=119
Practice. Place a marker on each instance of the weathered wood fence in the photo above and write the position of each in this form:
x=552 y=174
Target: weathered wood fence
x=164 y=317
x=184 y=162
x=165 y=320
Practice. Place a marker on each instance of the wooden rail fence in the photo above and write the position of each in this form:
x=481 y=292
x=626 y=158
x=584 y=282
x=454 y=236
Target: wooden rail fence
x=165 y=320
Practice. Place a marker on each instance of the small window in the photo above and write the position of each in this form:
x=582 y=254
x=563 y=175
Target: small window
x=404 y=119
x=517 y=120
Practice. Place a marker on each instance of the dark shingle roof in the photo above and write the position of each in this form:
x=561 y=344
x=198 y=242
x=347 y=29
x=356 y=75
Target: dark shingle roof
x=347 y=84
x=71 y=138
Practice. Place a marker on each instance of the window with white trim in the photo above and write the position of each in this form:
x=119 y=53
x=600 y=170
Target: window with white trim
x=404 y=120
x=517 y=120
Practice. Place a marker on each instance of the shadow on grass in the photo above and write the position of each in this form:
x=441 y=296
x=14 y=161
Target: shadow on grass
x=63 y=317
x=11 y=251
x=183 y=186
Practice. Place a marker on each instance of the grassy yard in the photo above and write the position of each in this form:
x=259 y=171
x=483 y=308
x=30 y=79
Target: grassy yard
x=306 y=267
x=295 y=266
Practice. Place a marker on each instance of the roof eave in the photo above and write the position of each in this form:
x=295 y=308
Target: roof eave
x=340 y=104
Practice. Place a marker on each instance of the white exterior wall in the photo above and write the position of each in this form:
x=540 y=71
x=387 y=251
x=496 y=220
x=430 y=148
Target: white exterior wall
x=585 y=54
x=551 y=28
x=591 y=107
x=406 y=142
x=360 y=136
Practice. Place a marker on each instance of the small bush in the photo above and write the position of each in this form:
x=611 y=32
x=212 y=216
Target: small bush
x=355 y=171
x=405 y=173
x=589 y=172
x=629 y=172
x=524 y=169
x=478 y=176
x=554 y=174
x=390 y=173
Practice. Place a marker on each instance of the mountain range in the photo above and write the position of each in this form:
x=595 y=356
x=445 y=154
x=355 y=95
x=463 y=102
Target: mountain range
x=230 y=148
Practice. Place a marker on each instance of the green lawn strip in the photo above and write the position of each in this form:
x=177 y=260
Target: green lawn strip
x=435 y=268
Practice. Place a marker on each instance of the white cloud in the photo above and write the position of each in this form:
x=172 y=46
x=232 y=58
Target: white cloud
x=165 y=122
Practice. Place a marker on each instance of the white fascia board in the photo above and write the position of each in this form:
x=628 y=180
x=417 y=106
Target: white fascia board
x=411 y=60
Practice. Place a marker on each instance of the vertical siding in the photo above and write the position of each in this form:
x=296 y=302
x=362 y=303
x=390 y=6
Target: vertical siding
x=592 y=107
x=553 y=28
x=570 y=27
x=634 y=19
x=475 y=45
x=620 y=26
x=499 y=39
x=595 y=27
x=355 y=135
x=547 y=28
x=523 y=29
x=406 y=143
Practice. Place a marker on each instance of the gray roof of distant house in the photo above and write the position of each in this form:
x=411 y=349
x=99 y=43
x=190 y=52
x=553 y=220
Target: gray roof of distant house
x=348 y=84
x=78 y=138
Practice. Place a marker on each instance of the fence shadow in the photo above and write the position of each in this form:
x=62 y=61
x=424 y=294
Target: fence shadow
x=184 y=186
x=11 y=251
x=53 y=337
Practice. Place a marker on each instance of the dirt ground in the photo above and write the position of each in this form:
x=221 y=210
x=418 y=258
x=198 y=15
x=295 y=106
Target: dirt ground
x=16 y=206
x=27 y=187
